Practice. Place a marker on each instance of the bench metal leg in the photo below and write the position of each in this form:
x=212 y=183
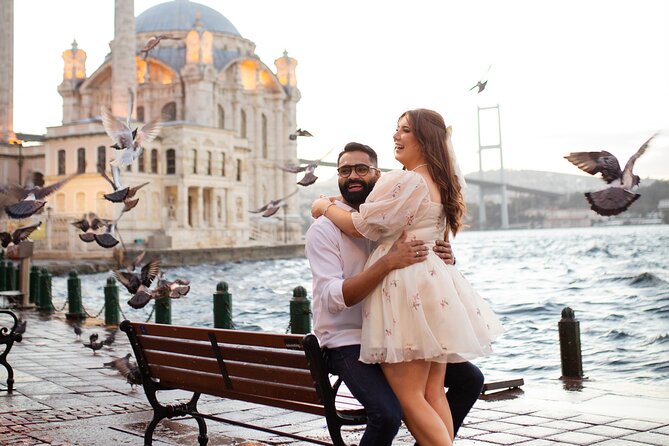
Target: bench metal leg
x=10 y=371
x=202 y=436
x=148 y=433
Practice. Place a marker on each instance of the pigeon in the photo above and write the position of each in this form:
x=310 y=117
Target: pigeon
x=129 y=370
x=309 y=178
x=132 y=281
x=20 y=326
x=18 y=235
x=153 y=42
x=107 y=239
x=109 y=340
x=30 y=200
x=77 y=331
x=125 y=139
x=618 y=197
x=94 y=344
x=173 y=290
x=481 y=84
x=299 y=132
x=273 y=206
x=89 y=224
x=132 y=265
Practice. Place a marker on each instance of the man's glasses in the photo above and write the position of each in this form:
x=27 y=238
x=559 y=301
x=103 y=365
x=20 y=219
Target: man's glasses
x=360 y=169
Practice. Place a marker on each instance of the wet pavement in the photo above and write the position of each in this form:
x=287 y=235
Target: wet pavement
x=64 y=396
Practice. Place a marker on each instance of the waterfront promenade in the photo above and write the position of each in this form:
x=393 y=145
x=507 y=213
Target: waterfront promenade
x=63 y=396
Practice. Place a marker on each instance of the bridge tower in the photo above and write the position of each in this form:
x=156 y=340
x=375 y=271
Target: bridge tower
x=497 y=145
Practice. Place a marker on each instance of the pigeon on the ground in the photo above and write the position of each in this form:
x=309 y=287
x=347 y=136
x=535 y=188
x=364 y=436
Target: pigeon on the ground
x=30 y=200
x=273 y=206
x=18 y=235
x=129 y=370
x=109 y=340
x=132 y=280
x=77 y=332
x=481 y=84
x=299 y=132
x=20 y=326
x=618 y=197
x=94 y=344
x=154 y=41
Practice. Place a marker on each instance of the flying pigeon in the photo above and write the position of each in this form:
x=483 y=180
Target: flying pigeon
x=153 y=42
x=129 y=370
x=132 y=281
x=481 y=84
x=309 y=178
x=106 y=239
x=30 y=200
x=94 y=344
x=89 y=224
x=124 y=138
x=18 y=235
x=273 y=206
x=173 y=290
x=299 y=132
x=618 y=196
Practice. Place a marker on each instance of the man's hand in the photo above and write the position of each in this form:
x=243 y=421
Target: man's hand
x=443 y=250
x=406 y=252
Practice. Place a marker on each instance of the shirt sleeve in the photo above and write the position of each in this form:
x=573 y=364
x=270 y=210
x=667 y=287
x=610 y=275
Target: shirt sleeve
x=398 y=198
x=327 y=267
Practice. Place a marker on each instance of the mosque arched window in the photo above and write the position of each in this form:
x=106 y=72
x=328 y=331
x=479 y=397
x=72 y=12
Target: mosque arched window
x=239 y=170
x=194 y=153
x=81 y=160
x=264 y=137
x=170 y=162
x=242 y=126
x=102 y=157
x=169 y=111
x=222 y=164
x=154 y=160
x=61 y=162
x=209 y=162
x=221 y=117
x=140 y=113
x=140 y=161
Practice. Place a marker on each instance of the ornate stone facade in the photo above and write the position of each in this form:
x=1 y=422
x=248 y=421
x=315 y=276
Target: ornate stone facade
x=226 y=118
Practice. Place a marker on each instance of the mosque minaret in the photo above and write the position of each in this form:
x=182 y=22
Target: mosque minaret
x=123 y=57
x=6 y=69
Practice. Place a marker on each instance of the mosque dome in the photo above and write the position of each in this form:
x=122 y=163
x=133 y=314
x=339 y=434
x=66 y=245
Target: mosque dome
x=181 y=15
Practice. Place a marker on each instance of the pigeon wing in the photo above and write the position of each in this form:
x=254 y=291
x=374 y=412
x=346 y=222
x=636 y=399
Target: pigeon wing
x=630 y=163
x=116 y=129
x=292 y=168
x=150 y=271
x=148 y=132
x=308 y=179
x=597 y=162
x=23 y=233
x=260 y=209
x=43 y=192
x=5 y=239
x=126 y=279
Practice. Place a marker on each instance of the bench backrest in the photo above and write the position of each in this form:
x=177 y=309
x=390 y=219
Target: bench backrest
x=265 y=368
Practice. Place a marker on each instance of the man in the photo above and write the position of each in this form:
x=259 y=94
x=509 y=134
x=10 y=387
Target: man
x=340 y=283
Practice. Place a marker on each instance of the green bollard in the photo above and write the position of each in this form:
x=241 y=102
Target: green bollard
x=34 y=295
x=300 y=312
x=45 y=303
x=74 y=306
x=10 y=276
x=3 y=276
x=222 y=307
x=111 y=302
x=570 y=345
x=164 y=311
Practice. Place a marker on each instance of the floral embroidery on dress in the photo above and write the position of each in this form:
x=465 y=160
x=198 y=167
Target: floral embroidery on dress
x=443 y=303
x=389 y=332
x=433 y=272
x=415 y=301
x=396 y=190
x=410 y=219
x=408 y=349
x=394 y=282
x=386 y=294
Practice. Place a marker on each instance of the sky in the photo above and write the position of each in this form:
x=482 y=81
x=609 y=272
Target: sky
x=567 y=75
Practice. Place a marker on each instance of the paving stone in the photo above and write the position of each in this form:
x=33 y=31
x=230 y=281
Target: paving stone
x=502 y=438
x=606 y=431
x=621 y=442
x=565 y=425
x=649 y=438
x=527 y=420
x=577 y=438
x=534 y=431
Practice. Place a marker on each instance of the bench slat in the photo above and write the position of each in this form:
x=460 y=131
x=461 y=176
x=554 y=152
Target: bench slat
x=212 y=384
x=275 y=340
x=281 y=357
x=294 y=376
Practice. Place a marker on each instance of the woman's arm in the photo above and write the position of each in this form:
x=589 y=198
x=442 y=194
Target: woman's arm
x=340 y=217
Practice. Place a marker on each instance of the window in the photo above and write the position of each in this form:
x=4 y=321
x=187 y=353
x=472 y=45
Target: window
x=264 y=136
x=242 y=130
x=170 y=162
x=80 y=202
x=194 y=151
x=209 y=162
x=81 y=160
x=239 y=170
x=102 y=157
x=140 y=113
x=221 y=117
x=222 y=164
x=169 y=112
x=61 y=162
x=140 y=161
x=154 y=160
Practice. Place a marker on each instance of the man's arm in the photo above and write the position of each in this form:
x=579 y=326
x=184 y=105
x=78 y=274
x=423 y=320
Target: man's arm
x=401 y=254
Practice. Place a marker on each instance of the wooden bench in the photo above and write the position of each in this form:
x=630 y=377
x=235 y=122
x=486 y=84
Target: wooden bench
x=7 y=338
x=280 y=370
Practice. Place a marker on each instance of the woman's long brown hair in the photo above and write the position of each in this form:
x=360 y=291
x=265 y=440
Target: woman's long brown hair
x=430 y=130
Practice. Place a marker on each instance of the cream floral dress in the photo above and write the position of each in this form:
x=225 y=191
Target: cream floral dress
x=427 y=310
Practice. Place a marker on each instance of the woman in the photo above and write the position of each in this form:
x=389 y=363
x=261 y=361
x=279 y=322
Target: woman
x=425 y=315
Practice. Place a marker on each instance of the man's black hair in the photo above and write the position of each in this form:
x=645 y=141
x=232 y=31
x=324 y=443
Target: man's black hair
x=357 y=147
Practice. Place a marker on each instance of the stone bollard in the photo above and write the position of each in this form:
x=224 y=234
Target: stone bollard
x=35 y=292
x=74 y=305
x=3 y=276
x=222 y=307
x=300 y=312
x=164 y=311
x=111 y=302
x=45 y=303
x=570 y=345
x=10 y=277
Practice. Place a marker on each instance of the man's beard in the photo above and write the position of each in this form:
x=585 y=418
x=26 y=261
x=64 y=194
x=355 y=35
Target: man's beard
x=358 y=197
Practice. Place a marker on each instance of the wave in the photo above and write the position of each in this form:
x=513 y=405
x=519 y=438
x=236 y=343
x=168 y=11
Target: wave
x=640 y=280
x=659 y=339
x=618 y=334
x=599 y=250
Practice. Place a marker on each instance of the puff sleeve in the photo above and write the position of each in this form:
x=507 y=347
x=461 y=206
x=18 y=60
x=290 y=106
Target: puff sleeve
x=398 y=198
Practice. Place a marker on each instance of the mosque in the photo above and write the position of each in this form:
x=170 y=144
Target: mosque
x=227 y=120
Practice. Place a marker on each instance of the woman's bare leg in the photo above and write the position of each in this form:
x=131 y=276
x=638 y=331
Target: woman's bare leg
x=436 y=396
x=408 y=380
